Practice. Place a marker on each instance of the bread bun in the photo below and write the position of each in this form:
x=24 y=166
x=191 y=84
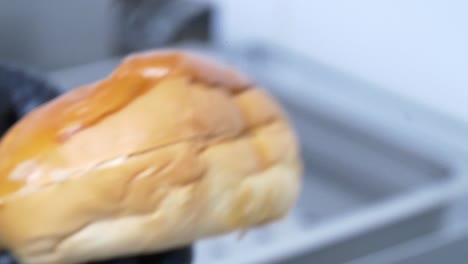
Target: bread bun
x=170 y=148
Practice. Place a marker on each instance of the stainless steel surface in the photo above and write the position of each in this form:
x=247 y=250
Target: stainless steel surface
x=448 y=245
x=379 y=171
x=442 y=247
x=453 y=250
x=52 y=34
x=148 y=24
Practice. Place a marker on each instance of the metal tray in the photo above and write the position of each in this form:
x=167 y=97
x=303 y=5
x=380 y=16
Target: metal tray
x=379 y=171
x=442 y=247
x=453 y=251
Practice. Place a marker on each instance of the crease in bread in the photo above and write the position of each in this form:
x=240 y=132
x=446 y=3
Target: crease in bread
x=134 y=215
x=201 y=153
x=212 y=139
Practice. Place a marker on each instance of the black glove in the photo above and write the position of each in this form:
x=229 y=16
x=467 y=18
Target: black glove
x=21 y=92
x=176 y=256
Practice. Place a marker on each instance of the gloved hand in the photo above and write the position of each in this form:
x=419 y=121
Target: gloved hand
x=21 y=92
x=176 y=256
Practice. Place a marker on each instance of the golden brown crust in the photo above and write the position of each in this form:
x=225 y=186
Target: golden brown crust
x=47 y=128
x=197 y=152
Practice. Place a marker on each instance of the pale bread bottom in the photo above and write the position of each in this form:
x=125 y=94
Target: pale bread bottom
x=176 y=195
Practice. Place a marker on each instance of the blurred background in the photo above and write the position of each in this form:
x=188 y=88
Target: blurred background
x=364 y=82
x=413 y=46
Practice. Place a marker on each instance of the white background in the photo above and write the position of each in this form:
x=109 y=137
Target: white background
x=418 y=48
